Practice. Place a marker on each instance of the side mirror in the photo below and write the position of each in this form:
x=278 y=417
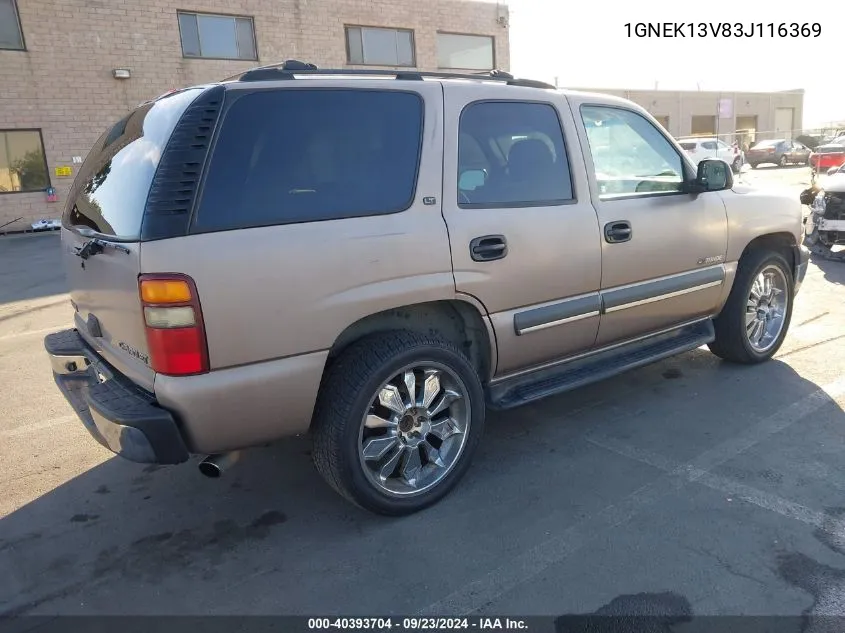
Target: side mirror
x=472 y=179
x=712 y=175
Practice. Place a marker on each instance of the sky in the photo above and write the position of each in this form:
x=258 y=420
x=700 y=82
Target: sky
x=585 y=44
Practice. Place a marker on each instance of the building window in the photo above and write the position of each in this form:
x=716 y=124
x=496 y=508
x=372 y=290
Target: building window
x=11 y=35
x=23 y=166
x=217 y=36
x=468 y=52
x=379 y=47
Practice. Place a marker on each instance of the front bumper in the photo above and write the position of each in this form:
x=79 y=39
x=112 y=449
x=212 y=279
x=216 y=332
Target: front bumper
x=118 y=414
x=802 y=260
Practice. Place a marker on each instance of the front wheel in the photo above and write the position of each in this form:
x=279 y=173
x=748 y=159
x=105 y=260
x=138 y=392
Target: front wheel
x=736 y=165
x=397 y=421
x=753 y=323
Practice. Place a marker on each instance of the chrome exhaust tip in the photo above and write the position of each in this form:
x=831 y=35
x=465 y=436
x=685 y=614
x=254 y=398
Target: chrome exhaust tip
x=215 y=465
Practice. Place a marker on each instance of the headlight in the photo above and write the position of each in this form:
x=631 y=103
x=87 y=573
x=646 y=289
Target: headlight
x=819 y=203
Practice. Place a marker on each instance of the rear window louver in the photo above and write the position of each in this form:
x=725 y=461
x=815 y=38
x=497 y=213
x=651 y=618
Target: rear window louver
x=174 y=188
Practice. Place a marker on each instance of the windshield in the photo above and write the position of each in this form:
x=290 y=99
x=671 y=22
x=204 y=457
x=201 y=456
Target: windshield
x=110 y=191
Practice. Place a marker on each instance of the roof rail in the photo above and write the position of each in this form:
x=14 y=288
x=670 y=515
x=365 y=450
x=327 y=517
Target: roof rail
x=291 y=68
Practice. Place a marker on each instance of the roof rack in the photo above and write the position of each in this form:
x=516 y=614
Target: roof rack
x=291 y=68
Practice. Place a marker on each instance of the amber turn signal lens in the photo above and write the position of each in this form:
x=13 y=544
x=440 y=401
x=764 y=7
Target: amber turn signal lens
x=165 y=291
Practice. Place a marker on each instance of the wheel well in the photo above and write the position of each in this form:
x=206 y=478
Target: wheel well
x=783 y=243
x=456 y=321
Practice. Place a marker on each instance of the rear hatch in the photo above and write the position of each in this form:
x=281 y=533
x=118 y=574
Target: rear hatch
x=101 y=233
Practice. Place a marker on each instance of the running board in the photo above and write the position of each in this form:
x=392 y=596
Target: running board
x=601 y=364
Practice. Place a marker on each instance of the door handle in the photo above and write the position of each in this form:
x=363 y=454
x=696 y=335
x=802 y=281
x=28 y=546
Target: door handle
x=620 y=231
x=488 y=248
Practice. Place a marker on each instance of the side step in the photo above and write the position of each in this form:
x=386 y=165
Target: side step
x=513 y=392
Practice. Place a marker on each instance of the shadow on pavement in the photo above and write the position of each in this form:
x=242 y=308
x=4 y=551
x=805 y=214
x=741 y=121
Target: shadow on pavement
x=129 y=538
x=30 y=267
x=834 y=272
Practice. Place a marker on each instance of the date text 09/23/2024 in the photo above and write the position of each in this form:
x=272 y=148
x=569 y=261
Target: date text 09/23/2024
x=723 y=29
x=390 y=624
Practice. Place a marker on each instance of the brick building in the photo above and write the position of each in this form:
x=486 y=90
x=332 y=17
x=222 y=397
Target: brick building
x=69 y=68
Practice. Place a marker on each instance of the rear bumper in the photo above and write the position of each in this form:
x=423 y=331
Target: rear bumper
x=119 y=415
x=802 y=260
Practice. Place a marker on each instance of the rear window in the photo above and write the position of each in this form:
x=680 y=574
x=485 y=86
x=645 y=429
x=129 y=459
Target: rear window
x=304 y=155
x=767 y=144
x=110 y=190
x=830 y=149
x=688 y=145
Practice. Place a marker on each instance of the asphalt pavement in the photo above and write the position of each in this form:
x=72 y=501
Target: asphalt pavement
x=689 y=487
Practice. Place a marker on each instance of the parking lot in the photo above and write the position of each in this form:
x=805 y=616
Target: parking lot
x=689 y=487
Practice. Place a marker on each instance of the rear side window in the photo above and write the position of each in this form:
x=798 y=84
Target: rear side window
x=304 y=155
x=110 y=190
x=512 y=154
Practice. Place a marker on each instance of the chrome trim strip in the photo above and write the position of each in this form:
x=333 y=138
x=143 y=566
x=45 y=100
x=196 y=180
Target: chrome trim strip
x=556 y=312
x=719 y=266
x=660 y=286
x=563 y=361
x=668 y=295
x=543 y=326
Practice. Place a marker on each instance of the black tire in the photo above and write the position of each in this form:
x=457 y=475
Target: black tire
x=347 y=389
x=754 y=165
x=731 y=342
x=783 y=162
x=735 y=166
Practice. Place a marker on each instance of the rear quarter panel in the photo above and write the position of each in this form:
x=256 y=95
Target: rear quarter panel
x=280 y=291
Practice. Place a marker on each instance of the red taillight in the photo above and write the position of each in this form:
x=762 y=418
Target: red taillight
x=174 y=326
x=770 y=150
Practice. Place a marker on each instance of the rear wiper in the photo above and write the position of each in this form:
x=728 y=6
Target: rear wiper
x=96 y=246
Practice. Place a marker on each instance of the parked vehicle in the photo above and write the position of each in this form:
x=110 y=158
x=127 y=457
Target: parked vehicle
x=700 y=148
x=824 y=227
x=376 y=258
x=826 y=156
x=780 y=152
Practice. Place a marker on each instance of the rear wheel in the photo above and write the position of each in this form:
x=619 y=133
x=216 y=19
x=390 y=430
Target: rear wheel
x=755 y=318
x=397 y=421
x=736 y=165
x=782 y=162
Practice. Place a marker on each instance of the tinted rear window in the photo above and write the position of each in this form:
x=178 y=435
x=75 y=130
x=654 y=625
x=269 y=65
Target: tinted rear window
x=298 y=155
x=830 y=149
x=110 y=190
x=688 y=145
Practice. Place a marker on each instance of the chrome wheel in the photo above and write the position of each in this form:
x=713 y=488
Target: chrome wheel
x=415 y=429
x=765 y=310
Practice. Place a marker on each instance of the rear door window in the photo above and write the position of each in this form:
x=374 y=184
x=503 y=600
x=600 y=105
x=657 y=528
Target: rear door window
x=305 y=155
x=512 y=154
x=110 y=190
